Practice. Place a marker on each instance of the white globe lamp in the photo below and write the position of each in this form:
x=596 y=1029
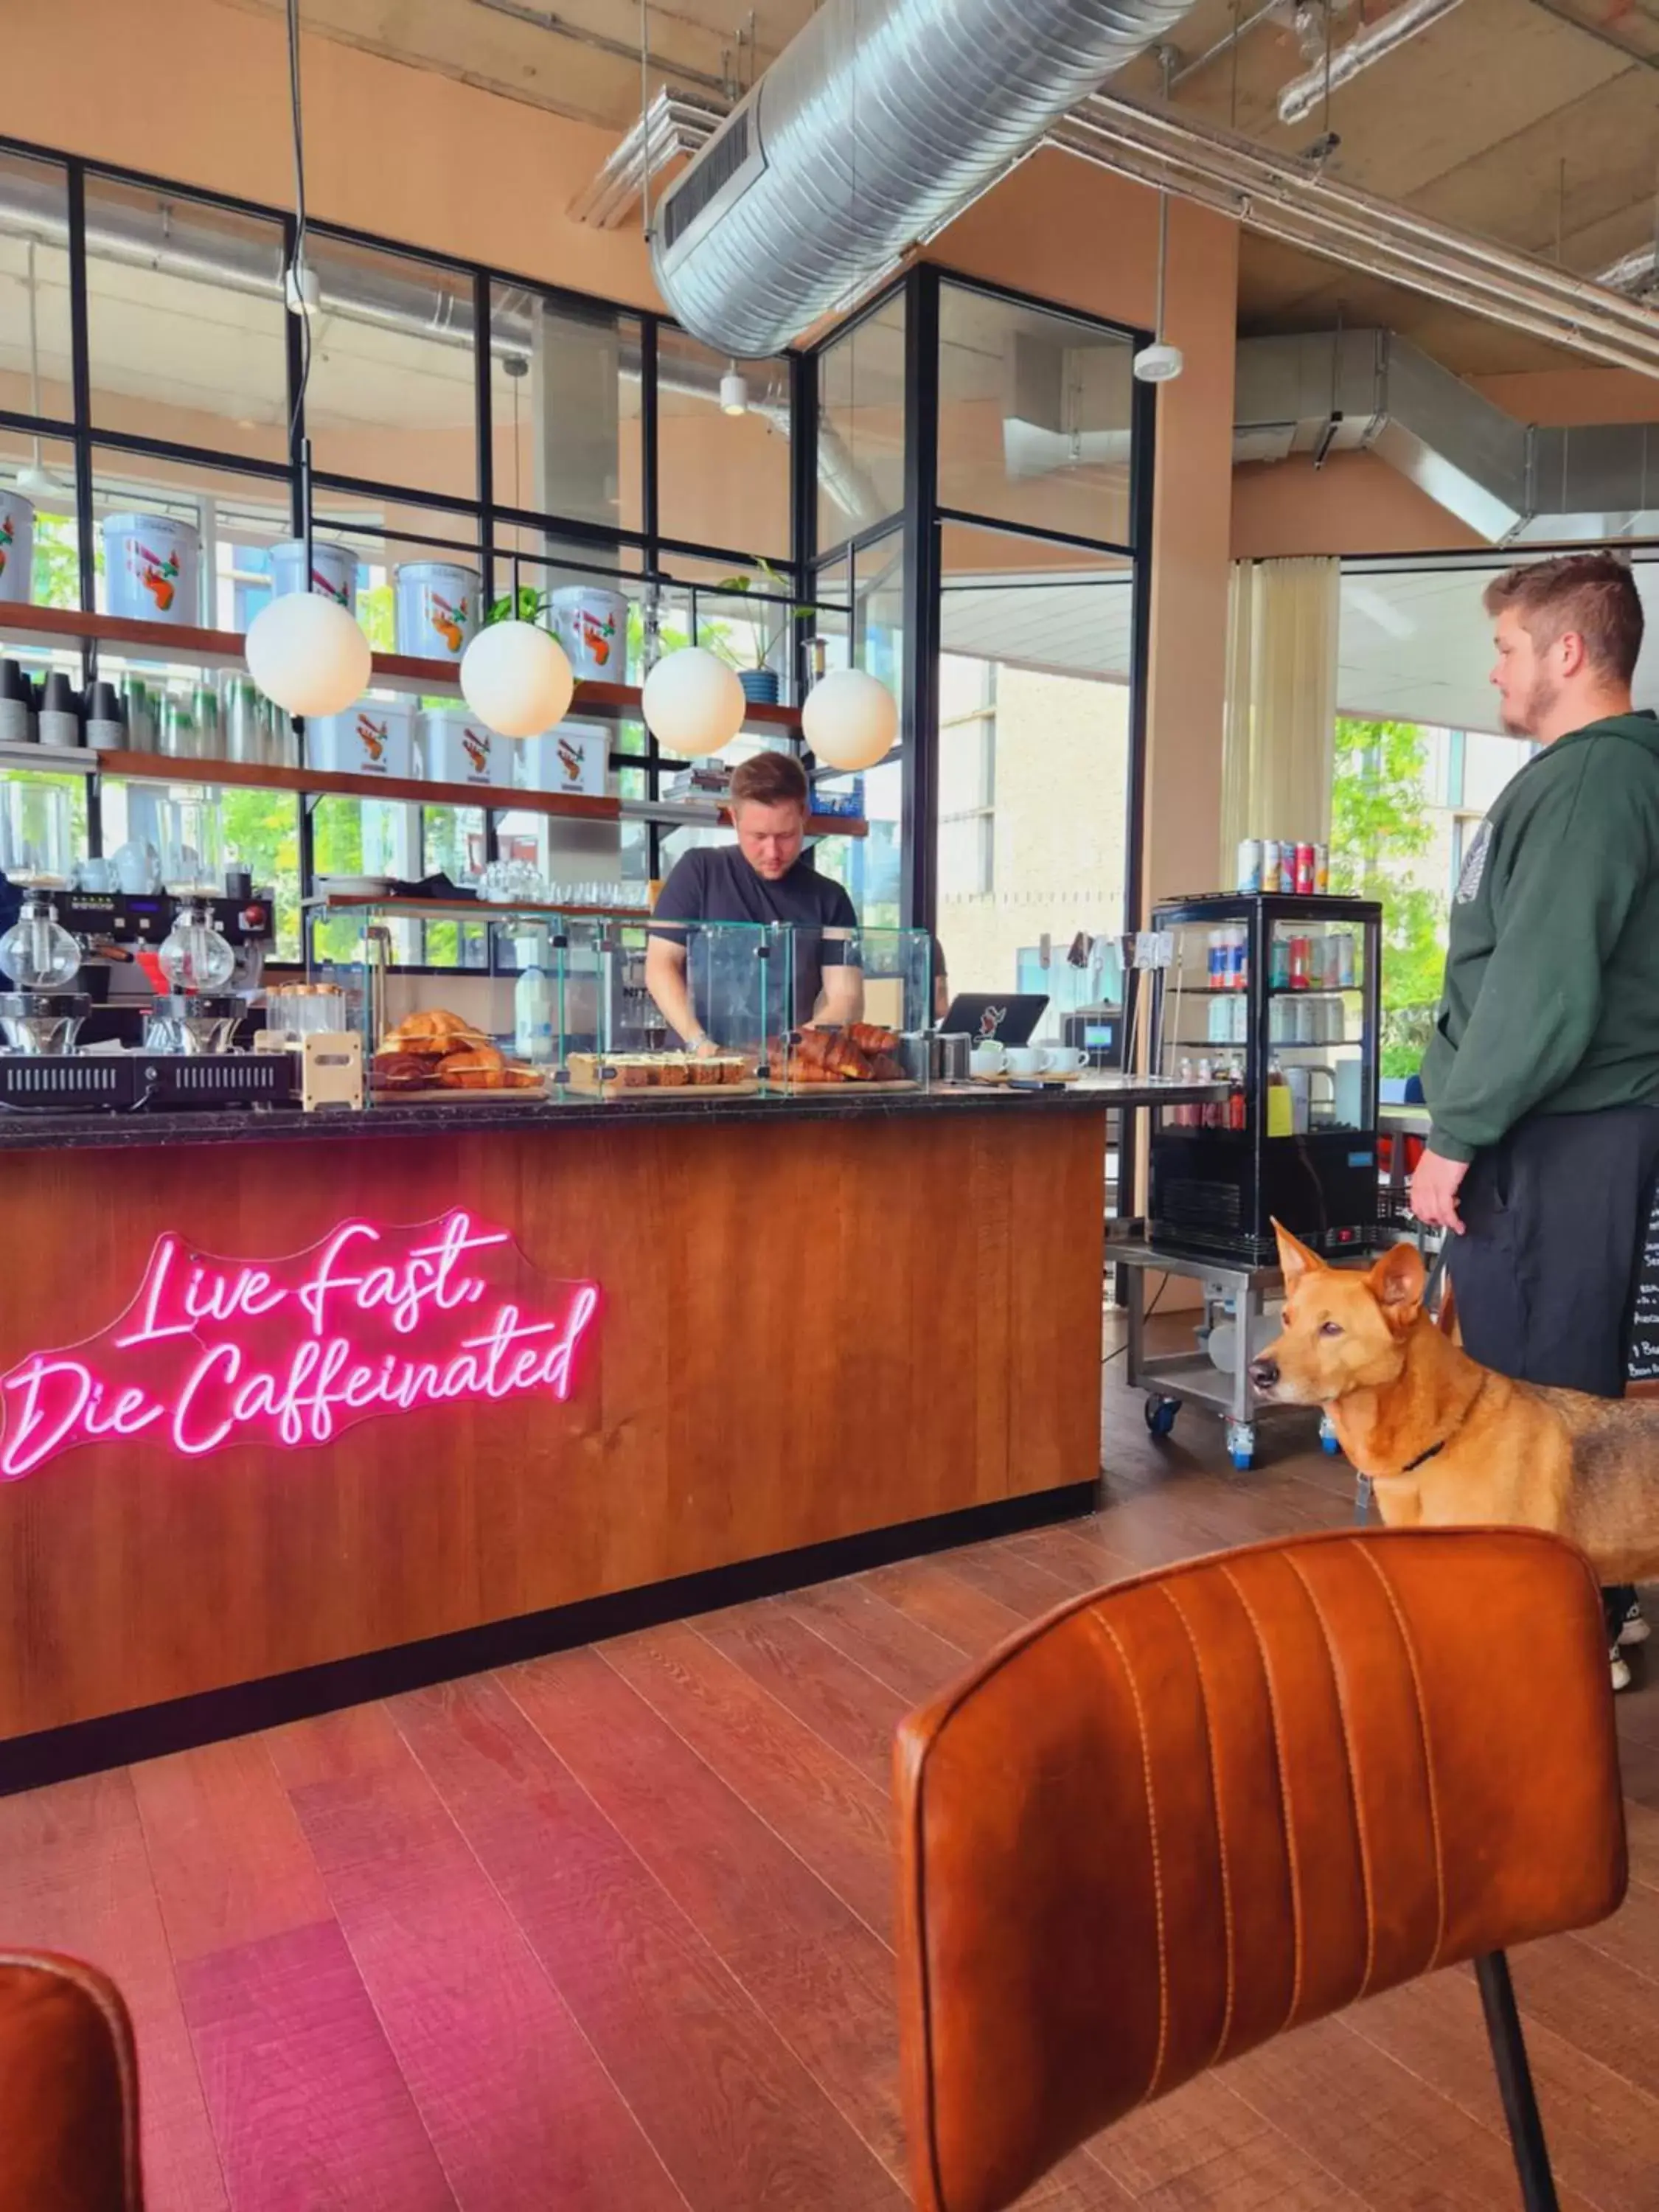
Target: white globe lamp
x=516 y=678
x=308 y=653
x=850 y=719
x=693 y=703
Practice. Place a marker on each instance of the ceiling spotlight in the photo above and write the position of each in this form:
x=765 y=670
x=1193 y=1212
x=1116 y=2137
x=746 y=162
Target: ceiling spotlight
x=1158 y=363
x=734 y=391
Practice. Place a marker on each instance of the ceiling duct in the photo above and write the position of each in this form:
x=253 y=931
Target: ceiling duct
x=1372 y=392
x=878 y=121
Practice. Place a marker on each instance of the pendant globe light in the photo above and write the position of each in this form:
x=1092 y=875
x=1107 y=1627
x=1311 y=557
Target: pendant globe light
x=693 y=703
x=516 y=676
x=304 y=651
x=850 y=719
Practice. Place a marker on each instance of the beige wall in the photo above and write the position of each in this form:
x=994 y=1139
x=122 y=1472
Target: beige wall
x=1355 y=504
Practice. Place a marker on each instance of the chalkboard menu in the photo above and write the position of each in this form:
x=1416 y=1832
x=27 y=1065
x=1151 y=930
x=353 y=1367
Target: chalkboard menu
x=1642 y=1369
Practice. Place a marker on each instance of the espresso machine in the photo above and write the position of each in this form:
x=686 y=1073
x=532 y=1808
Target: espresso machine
x=170 y=982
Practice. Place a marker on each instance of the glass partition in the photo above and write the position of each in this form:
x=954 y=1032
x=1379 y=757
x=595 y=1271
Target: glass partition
x=1035 y=416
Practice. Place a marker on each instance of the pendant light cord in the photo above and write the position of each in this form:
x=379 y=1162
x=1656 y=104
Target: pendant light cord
x=296 y=284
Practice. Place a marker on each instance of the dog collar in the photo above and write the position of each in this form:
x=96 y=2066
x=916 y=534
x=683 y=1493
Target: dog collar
x=1423 y=1458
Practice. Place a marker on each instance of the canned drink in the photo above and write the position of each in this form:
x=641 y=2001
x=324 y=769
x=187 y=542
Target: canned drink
x=1250 y=864
x=1273 y=864
x=1215 y=950
x=1343 y=946
x=1301 y=963
x=1278 y=964
x=1239 y=958
x=1304 y=872
x=1321 y=871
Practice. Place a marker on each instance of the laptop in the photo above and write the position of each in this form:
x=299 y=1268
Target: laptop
x=1009 y=1017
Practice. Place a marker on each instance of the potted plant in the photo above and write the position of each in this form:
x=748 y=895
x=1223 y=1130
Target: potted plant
x=759 y=679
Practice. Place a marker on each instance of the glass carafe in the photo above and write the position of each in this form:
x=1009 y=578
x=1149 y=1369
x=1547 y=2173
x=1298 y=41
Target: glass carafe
x=196 y=959
x=37 y=951
x=35 y=833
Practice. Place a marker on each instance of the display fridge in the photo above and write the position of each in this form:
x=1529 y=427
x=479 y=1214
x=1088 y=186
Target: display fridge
x=1280 y=997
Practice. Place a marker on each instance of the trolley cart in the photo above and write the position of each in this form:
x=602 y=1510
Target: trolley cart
x=1175 y=1379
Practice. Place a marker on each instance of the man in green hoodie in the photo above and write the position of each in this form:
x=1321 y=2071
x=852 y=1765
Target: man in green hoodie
x=1542 y=1076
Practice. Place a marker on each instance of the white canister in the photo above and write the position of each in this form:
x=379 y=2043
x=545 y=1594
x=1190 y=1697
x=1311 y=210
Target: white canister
x=374 y=737
x=333 y=570
x=456 y=747
x=574 y=757
x=592 y=626
x=16 y=546
x=437 y=608
x=151 y=565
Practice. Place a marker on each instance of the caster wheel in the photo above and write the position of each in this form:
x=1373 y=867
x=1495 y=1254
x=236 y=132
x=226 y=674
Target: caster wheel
x=1240 y=1444
x=1161 y=1415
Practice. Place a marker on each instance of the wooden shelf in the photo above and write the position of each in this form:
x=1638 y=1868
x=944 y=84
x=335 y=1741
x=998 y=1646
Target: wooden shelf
x=418 y=910
x=394 y=672
x=163 y=768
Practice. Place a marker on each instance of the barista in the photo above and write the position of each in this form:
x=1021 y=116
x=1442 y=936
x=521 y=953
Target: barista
x=763 y=877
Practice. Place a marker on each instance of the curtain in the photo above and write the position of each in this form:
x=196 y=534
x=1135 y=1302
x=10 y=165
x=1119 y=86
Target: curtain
x=1278 y=734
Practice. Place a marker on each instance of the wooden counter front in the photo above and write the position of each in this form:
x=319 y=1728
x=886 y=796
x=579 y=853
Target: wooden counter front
x=804 y=1333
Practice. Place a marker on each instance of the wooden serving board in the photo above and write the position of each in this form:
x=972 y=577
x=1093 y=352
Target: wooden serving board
x=654 y=1094
x=844 y=1086
x=450 y=1094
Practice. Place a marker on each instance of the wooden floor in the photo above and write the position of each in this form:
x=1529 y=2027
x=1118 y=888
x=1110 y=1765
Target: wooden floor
x=613 y=1930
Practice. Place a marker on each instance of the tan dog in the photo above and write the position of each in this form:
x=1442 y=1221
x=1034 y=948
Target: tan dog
x=1445 y=1441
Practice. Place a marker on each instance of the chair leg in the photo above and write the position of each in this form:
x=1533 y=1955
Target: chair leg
x=1509 y=2053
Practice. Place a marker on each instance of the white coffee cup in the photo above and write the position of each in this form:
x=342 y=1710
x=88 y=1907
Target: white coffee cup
x=1026 y=1060
x=1064 y=1058
x=987 y=1057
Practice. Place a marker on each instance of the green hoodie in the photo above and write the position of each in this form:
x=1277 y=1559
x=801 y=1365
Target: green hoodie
x=1551 y=995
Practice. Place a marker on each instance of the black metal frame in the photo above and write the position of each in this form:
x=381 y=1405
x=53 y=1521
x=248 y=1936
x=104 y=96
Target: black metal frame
x=920 y=516
x=1509 y=2056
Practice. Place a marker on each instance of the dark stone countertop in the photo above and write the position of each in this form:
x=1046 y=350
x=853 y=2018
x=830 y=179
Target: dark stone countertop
x=96 y=1132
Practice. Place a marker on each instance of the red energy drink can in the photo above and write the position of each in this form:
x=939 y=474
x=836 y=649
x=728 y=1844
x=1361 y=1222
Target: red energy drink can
x=1302 y=882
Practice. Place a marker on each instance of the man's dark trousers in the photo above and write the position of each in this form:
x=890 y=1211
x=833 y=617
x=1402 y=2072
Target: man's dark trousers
x=1555 y=1218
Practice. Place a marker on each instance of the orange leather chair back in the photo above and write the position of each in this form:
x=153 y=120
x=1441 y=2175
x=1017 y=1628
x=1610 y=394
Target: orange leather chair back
x=1183 y=1814
x=69 y=2090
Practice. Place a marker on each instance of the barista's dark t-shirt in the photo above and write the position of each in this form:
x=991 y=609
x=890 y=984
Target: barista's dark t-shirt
x=715 y=883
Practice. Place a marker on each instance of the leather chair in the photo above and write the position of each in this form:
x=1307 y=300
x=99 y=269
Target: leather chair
x=69 y=2090
x=1179 y=1816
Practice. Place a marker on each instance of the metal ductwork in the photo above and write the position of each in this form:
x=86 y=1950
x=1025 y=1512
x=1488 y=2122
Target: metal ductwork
x=878 y=121
x=1372 y=392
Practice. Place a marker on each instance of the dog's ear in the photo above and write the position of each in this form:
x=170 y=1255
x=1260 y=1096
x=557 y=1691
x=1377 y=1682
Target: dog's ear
x=1295 y=1258
x=1397 y=1282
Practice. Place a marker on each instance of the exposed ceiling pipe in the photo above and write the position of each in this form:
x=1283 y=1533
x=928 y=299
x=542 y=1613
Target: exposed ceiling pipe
x=1281 y=196
x=1374 y=44
x=1632 y=272
x=878 y=121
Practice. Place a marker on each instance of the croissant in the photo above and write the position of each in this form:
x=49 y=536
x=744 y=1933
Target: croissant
x=870 y=1037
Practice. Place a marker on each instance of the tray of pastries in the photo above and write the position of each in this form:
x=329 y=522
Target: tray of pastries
x=646 y=1074
x=863 y=1053
x=435 y=1054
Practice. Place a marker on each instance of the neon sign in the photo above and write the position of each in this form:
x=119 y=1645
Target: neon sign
x=291 y=1352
